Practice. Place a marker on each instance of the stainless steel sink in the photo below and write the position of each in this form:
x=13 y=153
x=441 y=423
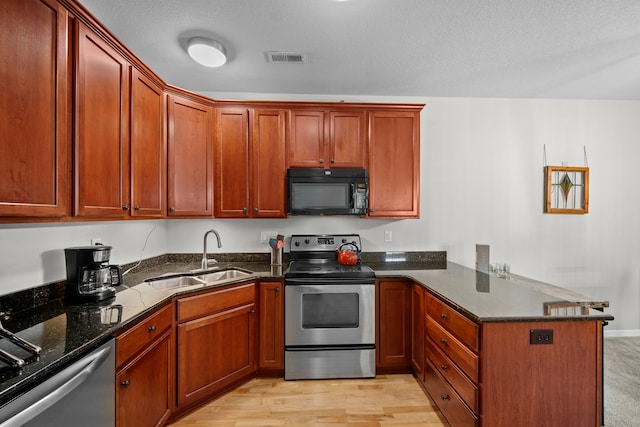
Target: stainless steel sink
x=162 y=283
x=200 y=278
x=220 y=275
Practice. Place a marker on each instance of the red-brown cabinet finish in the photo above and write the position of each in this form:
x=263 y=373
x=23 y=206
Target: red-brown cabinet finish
x=250 y=163
x=35 y=142
x=418 y=321
x=271 y=329
x=328 y=139
x=148 y=148
x=189 y=158
x=393 y=346
x=394 y=164
x=101 y=160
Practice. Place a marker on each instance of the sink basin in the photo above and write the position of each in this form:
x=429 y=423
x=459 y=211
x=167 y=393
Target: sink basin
x=220 y=275
x=162 y=283
x=193 y=279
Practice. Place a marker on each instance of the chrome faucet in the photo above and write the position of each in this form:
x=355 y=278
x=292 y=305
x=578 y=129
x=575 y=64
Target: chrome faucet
x=205 y=260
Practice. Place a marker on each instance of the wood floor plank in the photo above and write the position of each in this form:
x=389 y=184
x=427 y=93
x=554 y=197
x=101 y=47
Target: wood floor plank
x=387 y=400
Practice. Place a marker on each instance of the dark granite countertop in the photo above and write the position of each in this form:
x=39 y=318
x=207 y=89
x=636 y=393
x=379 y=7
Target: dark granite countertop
x=67 y=332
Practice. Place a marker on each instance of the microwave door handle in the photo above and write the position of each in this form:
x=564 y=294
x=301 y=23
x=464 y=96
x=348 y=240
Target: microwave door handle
x=353 y=195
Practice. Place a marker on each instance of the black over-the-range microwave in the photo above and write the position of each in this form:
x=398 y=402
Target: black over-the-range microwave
x=314 y=191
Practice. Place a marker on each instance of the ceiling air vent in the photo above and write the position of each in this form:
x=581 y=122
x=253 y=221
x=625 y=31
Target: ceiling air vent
x=285 y=57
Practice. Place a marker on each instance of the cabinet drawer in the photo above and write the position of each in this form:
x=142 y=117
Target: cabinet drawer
x=458 y=380
x=138 y=337
x=464 y=329
x=215 y=301
x=466 y=360
x=449 y=403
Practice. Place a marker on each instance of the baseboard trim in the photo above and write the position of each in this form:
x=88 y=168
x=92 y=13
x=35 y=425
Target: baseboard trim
x=622 y=333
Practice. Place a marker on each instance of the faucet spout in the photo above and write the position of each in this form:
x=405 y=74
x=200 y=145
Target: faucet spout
x=205 y=259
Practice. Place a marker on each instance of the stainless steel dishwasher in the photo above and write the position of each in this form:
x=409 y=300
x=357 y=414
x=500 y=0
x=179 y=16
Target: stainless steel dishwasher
x=82 y=394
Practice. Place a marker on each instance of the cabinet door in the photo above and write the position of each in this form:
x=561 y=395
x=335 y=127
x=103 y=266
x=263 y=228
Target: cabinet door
x=34 y=121
x=394 y=164
x=347 y=139
x=306 y=139
x=148 y=149
x=144 y=388
x=271 y=330
x=101 y=129
x=394 y=317
x=189 y=158
x=267 y=164
x=418 y=320
x=214 y=352
x=232 y=163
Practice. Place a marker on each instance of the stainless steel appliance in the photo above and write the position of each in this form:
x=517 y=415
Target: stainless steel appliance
x=90 y=278
x=81 y=395
x=329 y=311
x=313 y=191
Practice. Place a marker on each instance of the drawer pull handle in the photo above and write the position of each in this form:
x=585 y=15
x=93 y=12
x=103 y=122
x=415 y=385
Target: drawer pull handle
x=444 y=397
x=444 y=367
x=252 y=311
x=152 y=328
x=125 y=383
x=443 y=341
x=444 y=316
x=277 y=289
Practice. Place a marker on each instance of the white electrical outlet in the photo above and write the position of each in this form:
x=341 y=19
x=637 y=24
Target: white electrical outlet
x=96 y=241
x=266 y=235
x=388 y=236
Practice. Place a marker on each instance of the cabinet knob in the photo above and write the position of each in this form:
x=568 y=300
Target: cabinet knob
x=136 y=207
x=252 y=311
x=321 y=160
x=444 y=316
x=371 y=210
x=333 y=160
x=277 y=289
x=444 y=397
x=125 y=207
x=444 y=367
x=125 y=383
x=172 y=209
x=152 y=328
x=255 y=209
x=443 y=341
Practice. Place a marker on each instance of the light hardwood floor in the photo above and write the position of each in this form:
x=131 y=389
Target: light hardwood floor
x=386 y=400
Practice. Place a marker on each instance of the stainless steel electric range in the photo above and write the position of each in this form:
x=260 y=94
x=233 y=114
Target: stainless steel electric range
x=329 y=311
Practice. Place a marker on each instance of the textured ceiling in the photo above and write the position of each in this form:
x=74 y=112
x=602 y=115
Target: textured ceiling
x=584 y=49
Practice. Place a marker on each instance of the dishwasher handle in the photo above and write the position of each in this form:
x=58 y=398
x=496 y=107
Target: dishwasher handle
x=57 y=387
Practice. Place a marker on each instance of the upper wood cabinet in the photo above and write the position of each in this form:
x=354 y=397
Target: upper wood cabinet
x=328 y=139
x=394 y=164
x=250 y=163
x=189 y=158
x=101 y=160
x=35 y=142
x=148 y=148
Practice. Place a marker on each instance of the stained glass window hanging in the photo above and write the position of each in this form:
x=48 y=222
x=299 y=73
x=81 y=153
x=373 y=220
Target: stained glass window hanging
x=567 y=189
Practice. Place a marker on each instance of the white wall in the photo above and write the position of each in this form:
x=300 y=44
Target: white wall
x=481 y=182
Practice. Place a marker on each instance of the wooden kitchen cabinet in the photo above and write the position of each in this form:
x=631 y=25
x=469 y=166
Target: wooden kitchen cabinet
x=393 y=328
x=101 y=152
x=418 y=320
x=145 y=371
x=394 y=164
x=250 y=165
x=148 y=148
x=271 y=329
x=216 y=336
x=189 y=157
x=326 y=138
x=35 y=121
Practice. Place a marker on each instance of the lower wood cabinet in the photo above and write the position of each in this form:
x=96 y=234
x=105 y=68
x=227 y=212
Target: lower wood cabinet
x=145 y=380
x=216 y=337
x=393 y=326
x=271 y=329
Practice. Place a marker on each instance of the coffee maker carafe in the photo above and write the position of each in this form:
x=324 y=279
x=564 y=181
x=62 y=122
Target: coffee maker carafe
x=90 y=278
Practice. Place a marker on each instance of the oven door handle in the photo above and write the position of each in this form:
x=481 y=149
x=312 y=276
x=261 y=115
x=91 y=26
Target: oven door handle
x=328 y=281
x=330 y=347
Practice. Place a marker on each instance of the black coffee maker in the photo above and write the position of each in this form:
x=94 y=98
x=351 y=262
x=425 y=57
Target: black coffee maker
x=90 y=278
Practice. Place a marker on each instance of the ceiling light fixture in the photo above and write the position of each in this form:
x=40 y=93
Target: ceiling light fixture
x=207 y=52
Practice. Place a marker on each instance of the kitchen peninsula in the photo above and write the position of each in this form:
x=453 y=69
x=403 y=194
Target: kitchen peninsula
x=489 y=350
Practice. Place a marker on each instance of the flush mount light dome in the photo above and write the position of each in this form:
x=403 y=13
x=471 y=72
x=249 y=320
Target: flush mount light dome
x=207 y=52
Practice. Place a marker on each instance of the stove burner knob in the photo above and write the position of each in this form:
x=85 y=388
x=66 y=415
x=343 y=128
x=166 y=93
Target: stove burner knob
x=344 y=240
x=306 y=241
x=297 y=243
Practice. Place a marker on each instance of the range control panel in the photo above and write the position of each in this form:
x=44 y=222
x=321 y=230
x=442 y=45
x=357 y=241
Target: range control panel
x=322 y=242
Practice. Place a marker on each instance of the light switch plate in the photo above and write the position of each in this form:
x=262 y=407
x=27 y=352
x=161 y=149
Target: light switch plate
x=266 y=235
x=388 y=236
